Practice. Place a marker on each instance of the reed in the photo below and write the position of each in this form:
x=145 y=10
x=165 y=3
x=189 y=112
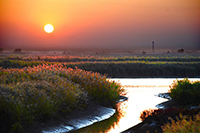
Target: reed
x=183 y=124
x=42 y=92
x=114 y=66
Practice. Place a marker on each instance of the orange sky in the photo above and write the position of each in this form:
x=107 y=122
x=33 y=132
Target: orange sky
x=100 y=24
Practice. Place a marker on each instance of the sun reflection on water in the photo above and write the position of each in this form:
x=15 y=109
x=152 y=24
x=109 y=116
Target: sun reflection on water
x=141 y=94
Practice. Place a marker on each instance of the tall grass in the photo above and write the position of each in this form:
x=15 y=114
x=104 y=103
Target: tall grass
x=102 y=57
x=174 y=119
x=115 y=66
x=46 y=91
x=183 y=124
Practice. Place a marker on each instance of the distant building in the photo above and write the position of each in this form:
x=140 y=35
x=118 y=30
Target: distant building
x=17 y=51
x=1 y=50
x=180 y=51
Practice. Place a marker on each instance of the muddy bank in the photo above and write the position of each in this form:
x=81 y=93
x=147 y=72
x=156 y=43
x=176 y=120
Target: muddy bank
x=75 y=120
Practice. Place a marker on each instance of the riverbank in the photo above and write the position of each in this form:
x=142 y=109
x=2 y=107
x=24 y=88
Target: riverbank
x=43 y=92
x=153 y=123
x=77 y=119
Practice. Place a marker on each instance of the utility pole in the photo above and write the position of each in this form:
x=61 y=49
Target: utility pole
x=153 y=46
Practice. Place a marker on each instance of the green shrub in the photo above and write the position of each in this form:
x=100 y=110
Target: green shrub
x=186 y=93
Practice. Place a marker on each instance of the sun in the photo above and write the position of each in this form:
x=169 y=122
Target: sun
x=48 y=28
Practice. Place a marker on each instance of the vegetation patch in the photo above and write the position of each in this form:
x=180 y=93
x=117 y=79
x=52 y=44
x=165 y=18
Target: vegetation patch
x=183 y=124
x=185 y=92
x=114 y=65
x=42 y=92
x=171 y=120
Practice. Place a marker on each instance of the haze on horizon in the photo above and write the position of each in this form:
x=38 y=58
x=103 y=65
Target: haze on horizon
x=100 y=24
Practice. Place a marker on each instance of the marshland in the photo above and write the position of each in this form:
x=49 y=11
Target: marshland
x=123 y=66
x=38 y=87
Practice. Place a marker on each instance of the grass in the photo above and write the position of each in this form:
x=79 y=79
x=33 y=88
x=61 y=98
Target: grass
x=114 y=66
x=37 y=88
x=174 y=119
x=183 y=124
x=46 y=91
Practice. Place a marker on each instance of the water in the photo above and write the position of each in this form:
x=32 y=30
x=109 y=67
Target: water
x=141 y=94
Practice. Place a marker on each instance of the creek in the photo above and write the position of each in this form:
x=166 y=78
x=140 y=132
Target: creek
x=142 y=94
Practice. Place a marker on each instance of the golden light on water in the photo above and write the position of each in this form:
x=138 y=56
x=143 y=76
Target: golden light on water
x=141 y=96
x=140 y=99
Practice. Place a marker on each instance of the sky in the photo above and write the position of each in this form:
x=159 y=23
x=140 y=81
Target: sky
x=100 y=24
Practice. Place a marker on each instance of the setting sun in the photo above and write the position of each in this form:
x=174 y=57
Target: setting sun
x=102 y=24
x=48 y=28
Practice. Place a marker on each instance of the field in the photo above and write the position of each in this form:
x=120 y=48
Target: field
x=114 y=64
x=38 y=87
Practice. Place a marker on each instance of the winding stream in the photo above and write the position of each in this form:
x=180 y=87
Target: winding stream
x=141 y=95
